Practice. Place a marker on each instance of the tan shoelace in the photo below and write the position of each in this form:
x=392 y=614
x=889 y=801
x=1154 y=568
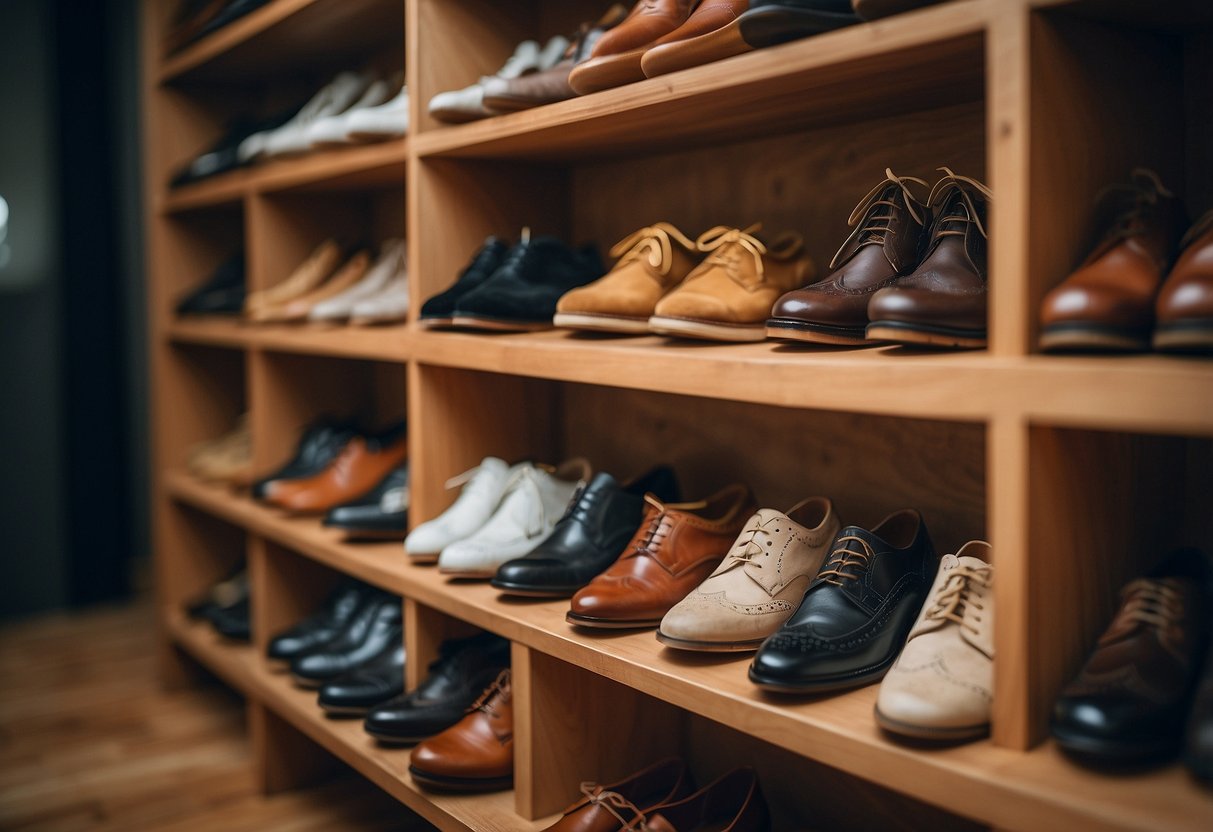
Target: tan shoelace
x=870 y=232
x=842 y=557
x=956 y=596
x=952 y=181
x=1130 y=200
x=659 y=527
x=614 y=802
x=746 y=551
x=500 y=684
x=1154 y=603
x=653 y=243
x=726 y=246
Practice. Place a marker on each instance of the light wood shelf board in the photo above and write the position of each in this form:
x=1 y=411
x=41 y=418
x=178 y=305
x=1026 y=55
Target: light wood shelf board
x=210 y=331
x=379 y=343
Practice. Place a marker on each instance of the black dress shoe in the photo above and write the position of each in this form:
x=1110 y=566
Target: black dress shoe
x=223 y=294
x=234 y=621
x=223 y=594
x=588 y=539
x=319 y=629
x=371 y=629
x=772 y=22
x=317 y=448
x=465 y=667
x=224 y=155
x=522 y=294
x=381 y=514
x=439 y=310
x=356 y=691
x=856 y=614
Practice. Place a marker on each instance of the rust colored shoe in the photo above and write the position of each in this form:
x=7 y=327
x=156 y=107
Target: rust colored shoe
x=607 y=808
x=475 y=754
x=942 y=303
x=675 y=549
x=360 y=466
x=616 y=58
x=1108 y=304
x=1185 y=307
x=710 y=34
x=889 y=227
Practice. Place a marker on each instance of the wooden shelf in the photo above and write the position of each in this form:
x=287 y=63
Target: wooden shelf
x=1004 y=788
x=387 y=767
x=372 y=343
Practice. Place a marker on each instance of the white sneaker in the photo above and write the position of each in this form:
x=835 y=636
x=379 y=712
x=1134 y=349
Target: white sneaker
x=483 y=488
x=387 y=121
x=336 y=97
x=335 y=129
x=534 y=501
x=467 y=104
x=387 y=307
x=391 y=263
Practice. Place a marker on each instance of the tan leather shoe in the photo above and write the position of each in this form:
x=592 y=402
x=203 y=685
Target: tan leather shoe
x=1185 y=306
x=651 y=262
x=676 y=547
x=476 y=753
x=607 y=808
x=227 y=459
x=1108 y=303
x=710 y=34
x=942 y=685
x=616 y=58
x=298 y=309
x=759 y=584
x=360 y=466
x=307 y=276
x=728 y=297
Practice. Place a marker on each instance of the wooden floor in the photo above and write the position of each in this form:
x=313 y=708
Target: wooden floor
x=89 y=741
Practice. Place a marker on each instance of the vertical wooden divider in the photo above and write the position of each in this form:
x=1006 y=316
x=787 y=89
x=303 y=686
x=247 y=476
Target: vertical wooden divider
x=284 y=757
x=425 y=628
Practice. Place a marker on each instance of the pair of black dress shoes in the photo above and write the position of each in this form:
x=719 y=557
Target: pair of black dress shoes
x=225 y=606
x=222 y=294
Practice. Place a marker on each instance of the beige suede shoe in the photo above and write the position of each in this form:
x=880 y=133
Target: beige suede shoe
x=651 y=262
x=298 y=309
x=730 y=295
x=306 y=277
x=759 y=584
x=942 y=685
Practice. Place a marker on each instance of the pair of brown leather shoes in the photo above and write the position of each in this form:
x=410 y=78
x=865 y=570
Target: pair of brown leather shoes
x=1122 y=298
x=363 y=463
x=911 y=272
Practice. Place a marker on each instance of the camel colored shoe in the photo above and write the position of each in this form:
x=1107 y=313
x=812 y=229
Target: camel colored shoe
x=758 y=585
x=298 y=309
x=728 y=297
x=228 y=459
x=306 y=277
x=651 y=262
x=942 y=685
x=616 y=58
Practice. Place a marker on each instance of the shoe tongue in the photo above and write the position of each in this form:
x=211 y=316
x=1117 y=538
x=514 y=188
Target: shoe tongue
x=492 y=463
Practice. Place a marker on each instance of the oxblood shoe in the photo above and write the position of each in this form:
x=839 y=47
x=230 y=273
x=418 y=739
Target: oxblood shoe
x=439 y=311
x=374 y=682
x=889 y=225
x=734 y=803
x=463 y=669
x=323 y=626
x=382 y=514
x=375 y=625
x=588 y=539
x=942 y=685
x=616 y=59
x=772 y=22
x=476 y=753
x=483 y=488
x=317 y=448
x=601 y=806
x=361 y=465
x=1184 y=310
x=1130 y=701
x=856 y=614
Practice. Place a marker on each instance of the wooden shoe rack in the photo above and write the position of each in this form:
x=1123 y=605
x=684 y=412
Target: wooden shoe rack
x=1080 y=470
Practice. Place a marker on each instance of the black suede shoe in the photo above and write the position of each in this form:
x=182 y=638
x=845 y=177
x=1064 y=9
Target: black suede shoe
x=772 y=22
x=521 y=295
x=317 y=630
x=465 y=667
x=382 y=514
x=317 y=448
x=223 y=294
x=370 y=630
x=439 y=311
x=355 y=692
x=856 y=614
x=588 y=539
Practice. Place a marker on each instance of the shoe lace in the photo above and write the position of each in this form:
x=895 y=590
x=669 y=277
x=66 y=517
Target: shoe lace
x=727 y=248
x=1154 y=603
x=614 y=802
x=485 y=702
x=957 y=595
x=658 y=528
x=962 y=212
x=1128 y=202
x=842 y=557
x=877 y=224
x=653 y=244
x=748 y=547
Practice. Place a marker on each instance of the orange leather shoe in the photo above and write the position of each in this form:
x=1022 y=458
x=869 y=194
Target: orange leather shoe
x=475 y=754
x=1185 y=307
x=361 y=465
x=615 y=60
x=675 y=549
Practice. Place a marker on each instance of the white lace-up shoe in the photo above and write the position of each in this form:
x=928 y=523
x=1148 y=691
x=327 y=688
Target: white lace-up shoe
x=387 y=121
x=336 y=97
x=467 y=104
x=334 y=129
x=483 y=488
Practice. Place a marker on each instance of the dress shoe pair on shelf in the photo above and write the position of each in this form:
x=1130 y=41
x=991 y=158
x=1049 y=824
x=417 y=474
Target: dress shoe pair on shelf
x=227 y=460
x=911 y=272
x=222 y=294
x=719 y=287
x=468 y=104
x=512 y=289
x=1133 y=292
x=225 y=606
x=195 y=19
x=503 y=512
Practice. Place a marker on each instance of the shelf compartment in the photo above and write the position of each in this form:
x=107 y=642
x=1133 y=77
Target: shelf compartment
x=1010 y=789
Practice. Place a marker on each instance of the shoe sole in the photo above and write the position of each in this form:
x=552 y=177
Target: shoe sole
x=366 y=321
x=710 y=646
x=344 y=710
x=830 y=685
x=1185 y=336
x=394 y=741
x=790 y=330
x=435 y=323
x=460 y=784
x=704 y=49
x=498 y=324
x=602 y=323
x=761 y=28
x=609 y=624
x=898 y=332
x=467 y=573
x=371 y=534
x=1092 y=338
x=607 y=72
x=534 y=591
x=925 y=732
x=707 y=330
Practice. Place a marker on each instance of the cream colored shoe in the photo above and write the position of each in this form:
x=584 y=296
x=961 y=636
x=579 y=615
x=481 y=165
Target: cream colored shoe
x=942 y=685
x=759 y=584
x=307 y=276
x=298 y=309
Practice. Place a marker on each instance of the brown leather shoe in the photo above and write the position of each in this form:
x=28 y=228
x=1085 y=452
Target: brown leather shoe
x=609 y=808
x=942 y=303
x=889 y=231
x=476 y=753
x=1184 y=310
x=734 y=803
x=361 y=465
x=1108 y=304
x=616 y=58
x=709 y=34
x=676 y=547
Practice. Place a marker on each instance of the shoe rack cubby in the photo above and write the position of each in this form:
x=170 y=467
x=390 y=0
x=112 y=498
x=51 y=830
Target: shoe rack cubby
x=1081 y=471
